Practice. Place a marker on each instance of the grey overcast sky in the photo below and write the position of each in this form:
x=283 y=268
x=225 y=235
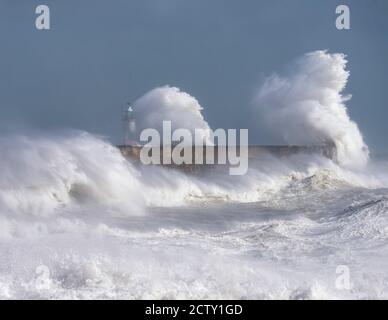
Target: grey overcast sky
x=99 y=54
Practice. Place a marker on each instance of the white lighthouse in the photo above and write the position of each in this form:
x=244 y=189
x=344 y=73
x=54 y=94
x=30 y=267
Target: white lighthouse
x=129 y=126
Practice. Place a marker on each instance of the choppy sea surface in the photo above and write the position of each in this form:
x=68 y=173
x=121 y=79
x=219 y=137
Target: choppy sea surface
x=78 y=221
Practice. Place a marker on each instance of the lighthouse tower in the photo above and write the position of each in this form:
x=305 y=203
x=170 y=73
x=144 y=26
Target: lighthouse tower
x=129 y=126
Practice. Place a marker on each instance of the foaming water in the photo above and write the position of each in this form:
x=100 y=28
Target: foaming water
x=170 y=103
x=101 y=227
x=78 y=221
x=41 y=174
x=308 y=106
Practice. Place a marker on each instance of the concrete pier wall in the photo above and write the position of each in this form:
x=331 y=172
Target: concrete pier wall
x=217 y=153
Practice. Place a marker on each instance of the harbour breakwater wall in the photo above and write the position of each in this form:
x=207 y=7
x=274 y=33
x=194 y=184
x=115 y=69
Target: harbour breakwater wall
x=200 y=154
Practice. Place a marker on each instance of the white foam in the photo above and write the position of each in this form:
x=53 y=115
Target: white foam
x=170 y=104
x=307 y=106
x=108 y=228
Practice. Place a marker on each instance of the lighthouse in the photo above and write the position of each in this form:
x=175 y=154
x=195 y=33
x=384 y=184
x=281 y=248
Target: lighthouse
x=129 y=126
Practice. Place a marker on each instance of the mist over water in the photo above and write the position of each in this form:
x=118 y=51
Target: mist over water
x=307 y=106
x=105 y=227
x=171 y=104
